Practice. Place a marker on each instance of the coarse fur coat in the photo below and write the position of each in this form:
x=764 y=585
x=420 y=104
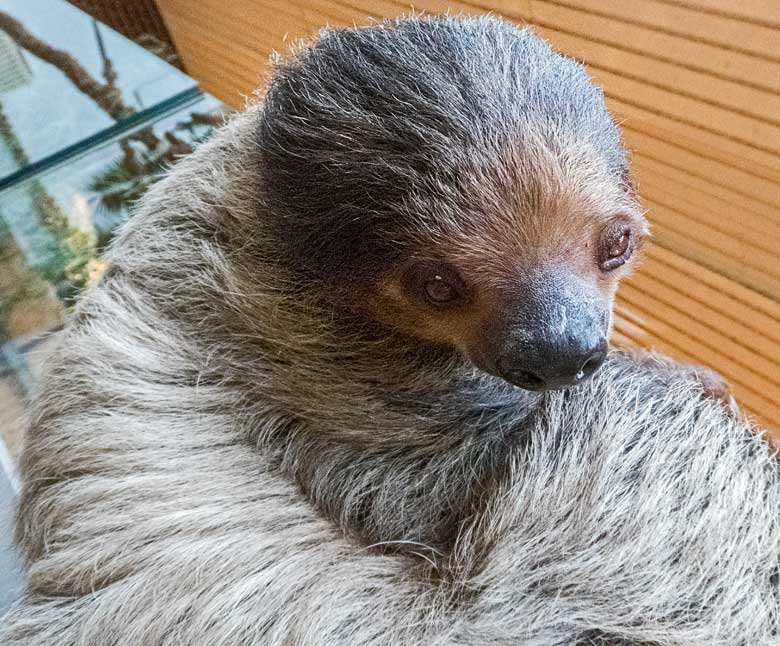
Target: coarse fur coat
x=219 y=458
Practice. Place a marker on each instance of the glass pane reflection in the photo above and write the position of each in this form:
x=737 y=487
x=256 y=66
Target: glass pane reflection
x=88 y=121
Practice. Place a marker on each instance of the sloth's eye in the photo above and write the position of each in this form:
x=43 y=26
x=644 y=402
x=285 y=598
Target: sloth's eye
x=439 y=290
x=616 y=248
x=437 y=286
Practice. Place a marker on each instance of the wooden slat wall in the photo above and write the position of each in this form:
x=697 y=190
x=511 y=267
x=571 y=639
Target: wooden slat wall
x=696 y=85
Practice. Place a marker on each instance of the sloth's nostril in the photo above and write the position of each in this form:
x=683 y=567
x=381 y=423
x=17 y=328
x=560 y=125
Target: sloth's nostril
x=591 y=365
x=554 y=368
x=528 y=379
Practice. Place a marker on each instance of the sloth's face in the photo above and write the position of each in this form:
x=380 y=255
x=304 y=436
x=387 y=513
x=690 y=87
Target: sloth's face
x=464 y=186
x=533 y=306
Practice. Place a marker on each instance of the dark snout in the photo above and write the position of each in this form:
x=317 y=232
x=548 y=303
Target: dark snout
x=552 y=337
x=554 y=363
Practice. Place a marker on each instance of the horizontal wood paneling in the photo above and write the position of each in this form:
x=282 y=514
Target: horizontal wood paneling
x=760 y=12
x=696 y=86
x=715 y=29
x=718 y=61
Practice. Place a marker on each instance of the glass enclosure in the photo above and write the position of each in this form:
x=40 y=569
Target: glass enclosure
x=88 y=120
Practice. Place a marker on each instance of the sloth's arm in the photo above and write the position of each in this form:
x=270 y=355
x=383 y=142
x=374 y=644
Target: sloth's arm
x=146 y=519
x=192 y=566
x=712 y=383
x=264 y=571
x=644 y=510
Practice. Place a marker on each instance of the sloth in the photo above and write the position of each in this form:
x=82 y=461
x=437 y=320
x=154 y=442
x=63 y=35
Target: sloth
x=345 y=380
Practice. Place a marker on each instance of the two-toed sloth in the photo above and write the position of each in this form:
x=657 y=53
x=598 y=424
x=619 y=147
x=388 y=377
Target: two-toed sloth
x=320 y=396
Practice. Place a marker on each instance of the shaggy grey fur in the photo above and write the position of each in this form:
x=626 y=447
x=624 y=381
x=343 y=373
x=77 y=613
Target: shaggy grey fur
x=378 y=136
x=222 y=458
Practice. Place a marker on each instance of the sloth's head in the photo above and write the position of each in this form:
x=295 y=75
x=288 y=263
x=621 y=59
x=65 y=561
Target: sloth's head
x=458 y=181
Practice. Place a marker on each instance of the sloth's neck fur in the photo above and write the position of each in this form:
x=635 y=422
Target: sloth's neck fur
x=397 y=443
x=418 y=458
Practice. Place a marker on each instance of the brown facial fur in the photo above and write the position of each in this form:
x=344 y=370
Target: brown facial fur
x=531 y=216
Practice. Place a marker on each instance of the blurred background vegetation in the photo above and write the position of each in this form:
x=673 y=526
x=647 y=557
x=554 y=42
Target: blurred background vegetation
x=88 y=122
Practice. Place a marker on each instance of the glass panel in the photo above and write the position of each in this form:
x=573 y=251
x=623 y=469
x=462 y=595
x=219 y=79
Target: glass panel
x=52 y=229
x=40 y=94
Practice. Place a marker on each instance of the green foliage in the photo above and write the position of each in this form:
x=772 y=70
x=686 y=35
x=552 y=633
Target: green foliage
x=69 y=252
x=123 y=183
x=145 y=158
x=66 y=266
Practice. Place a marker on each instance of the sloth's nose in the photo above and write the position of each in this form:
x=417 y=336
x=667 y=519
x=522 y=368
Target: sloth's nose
x=551 y=366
